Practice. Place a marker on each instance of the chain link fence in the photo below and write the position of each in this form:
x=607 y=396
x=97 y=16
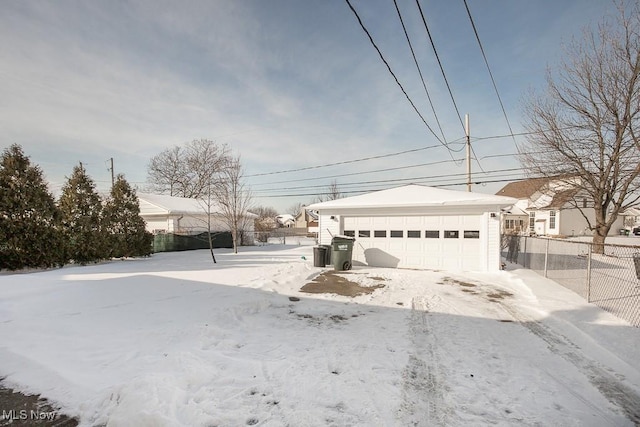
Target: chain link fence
x=609 y=279
x=285 y=236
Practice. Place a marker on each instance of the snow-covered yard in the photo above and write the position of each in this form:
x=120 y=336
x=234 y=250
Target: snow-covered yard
x=174 y=340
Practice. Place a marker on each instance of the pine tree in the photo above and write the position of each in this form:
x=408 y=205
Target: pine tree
x=122 y=220
x=30 y=233
x=81 y=210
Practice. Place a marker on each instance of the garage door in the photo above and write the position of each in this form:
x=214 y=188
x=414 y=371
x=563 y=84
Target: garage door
x=455 y=242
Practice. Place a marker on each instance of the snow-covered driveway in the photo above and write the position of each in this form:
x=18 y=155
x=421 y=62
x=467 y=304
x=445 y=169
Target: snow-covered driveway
x=174 y=340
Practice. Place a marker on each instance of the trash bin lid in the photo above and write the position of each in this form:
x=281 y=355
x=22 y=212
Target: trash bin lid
x=343 y=237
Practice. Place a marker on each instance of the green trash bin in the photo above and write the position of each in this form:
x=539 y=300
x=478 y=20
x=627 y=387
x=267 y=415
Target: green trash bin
x=341 y=251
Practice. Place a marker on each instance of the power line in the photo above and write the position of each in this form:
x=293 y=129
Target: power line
x=397 y=180
x=393 y=74
x=388 y=169
x=435 y=51
x=359 y=173
x=346 y=161
x=495 y=87
x=394 y=154
x=415 y=60
x=383 y=188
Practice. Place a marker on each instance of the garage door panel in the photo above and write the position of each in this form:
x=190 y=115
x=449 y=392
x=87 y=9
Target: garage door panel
x=418 y=251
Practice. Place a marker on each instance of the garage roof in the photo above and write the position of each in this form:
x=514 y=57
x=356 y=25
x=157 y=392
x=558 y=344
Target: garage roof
x=415 y=195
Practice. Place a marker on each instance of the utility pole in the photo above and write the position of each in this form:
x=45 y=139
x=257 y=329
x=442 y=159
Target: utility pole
x=113 y=178
x=467 y=132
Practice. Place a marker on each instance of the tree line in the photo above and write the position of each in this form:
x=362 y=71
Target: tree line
x=36 y=231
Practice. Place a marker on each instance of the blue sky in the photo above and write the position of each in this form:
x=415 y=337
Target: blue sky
x=286 y=84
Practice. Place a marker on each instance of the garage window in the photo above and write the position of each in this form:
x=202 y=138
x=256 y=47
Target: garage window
x=397 y=233
x=350 y=233
x=471 y=234
x=413 y=234
x=380 y=233
x=432 y=234
x=451 y=234
x=364 y=233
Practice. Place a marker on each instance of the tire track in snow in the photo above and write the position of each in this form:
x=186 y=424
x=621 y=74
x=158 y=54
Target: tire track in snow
x=614 y=390
x=423 y=377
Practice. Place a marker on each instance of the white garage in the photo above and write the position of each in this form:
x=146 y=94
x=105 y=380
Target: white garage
x=416 y=226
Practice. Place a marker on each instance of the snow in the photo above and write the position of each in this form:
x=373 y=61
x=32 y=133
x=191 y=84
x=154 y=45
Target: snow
x=173 y=204
x=174 y=340
x=415 y=195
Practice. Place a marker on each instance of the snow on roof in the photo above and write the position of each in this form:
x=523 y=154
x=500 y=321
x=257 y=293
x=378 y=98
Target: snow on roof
x=415 y=195
x=634 y=211
x=176 y=205
x=179 y=205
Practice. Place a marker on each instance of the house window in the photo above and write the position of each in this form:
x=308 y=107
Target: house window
x=471 y=234
x=380 y=233
x=364 y=233
x=350 y=233
x=552 y=220
x=584 y=202
x=513 y=224
x=451 y=234
x=532 y=221
x=397 y=233
x=413 y=234
x=432 y=234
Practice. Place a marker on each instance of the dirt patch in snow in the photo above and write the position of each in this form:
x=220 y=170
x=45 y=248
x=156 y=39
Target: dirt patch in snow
x=330 y=282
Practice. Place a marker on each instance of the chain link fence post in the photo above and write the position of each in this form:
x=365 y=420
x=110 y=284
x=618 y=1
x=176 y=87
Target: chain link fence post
x=546 y=257
x=588 y=272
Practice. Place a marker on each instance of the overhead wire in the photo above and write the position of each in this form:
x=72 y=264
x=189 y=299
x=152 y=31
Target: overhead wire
x=373 y=43
x=481 y=182
x=435 y=51
x=359 y=173
x=415 y=60
x=495 y=87
x=397 y=180
x=343 y=162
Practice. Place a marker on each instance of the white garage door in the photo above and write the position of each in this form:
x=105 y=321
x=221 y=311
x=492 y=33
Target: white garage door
x=454 y=242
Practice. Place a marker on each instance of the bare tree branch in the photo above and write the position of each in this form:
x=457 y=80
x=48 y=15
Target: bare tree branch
x=189 y=170
x=234 y=199
x=583 y=128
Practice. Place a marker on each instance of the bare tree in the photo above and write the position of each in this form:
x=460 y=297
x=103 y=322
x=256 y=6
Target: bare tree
x=584 y=128
x=332 y=193
x=295 y=209
x=265 y=223
x=234 y=199
x=189 y=170
x=166 y=172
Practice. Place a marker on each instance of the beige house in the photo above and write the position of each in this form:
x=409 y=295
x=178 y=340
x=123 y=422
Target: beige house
x=549 y=207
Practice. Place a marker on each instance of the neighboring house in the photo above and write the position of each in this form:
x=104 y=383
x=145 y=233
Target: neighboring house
x=308 y=220
x=416 y=226
x=286 y=220
x=631 y=220
x=549 y=207
x=185 y=217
